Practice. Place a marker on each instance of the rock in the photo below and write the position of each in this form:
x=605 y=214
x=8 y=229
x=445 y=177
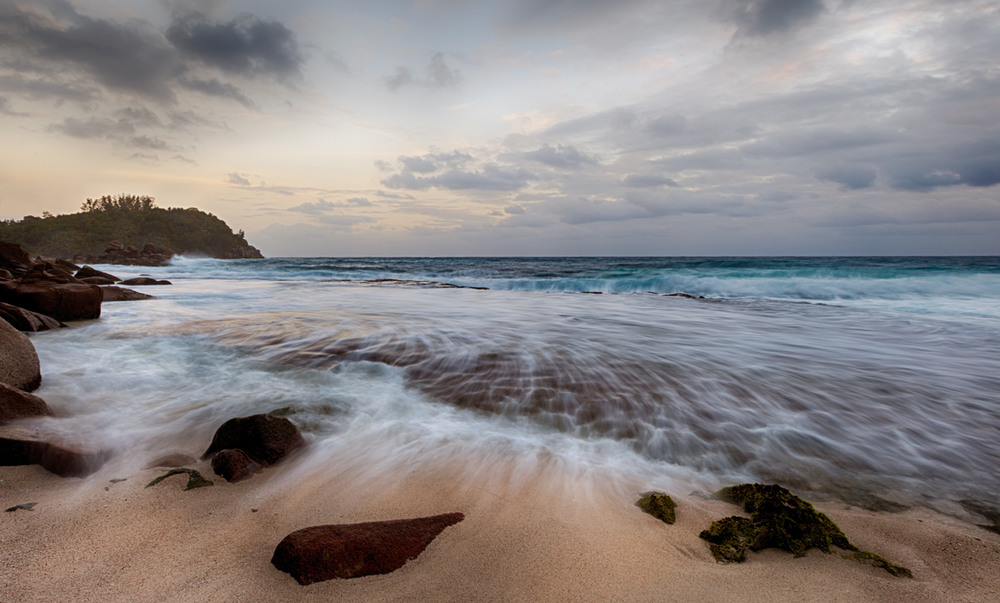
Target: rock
x=242 y=252
x=659 y=505
x=351 y=550
x=20 y=367
x=27 y=445
x=779 y=519
x=144 y=280
x=96 y=280
x=14 y=258
x=195 y=479
x=113 y=293
x=21 y=507
x=91 y=272
x=176 y=459
x=5 y=275
x=264 y=438
x=150 y=255
x=16 y=404
x=26 y=320
x=233 y=465
x=66 y=265
x=61 y=301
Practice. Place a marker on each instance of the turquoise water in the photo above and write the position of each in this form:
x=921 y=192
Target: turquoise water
x=855 y=378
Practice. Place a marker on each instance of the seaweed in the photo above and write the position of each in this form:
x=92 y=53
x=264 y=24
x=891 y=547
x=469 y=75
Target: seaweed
x=195 y=479
x=659 y=505
x=779 y=519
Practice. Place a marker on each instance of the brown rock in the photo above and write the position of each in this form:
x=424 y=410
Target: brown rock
x=66 y=265
x=264 y=438
x=96 y=280
x=20 y=366
x=90 y=272
x=48 y=272
x=14 y=258
x=26 y=320
x=32 y=445
x=176 y=459
x=113 y=293
x=350 y=550
x=144 y=280
x=62 y=301
x=233 y=465
x=16 y=404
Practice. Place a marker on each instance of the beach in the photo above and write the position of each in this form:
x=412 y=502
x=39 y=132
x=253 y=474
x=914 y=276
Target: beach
x=536 y=538
x=509 y=392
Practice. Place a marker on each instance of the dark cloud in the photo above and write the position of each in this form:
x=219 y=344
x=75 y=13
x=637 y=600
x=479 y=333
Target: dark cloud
x=215 y=87
x=853 y=177
x=560 y=156
x=438 y=75
x=826 y=140
x=514 y=210
x=759 y=18
x=647 y=181
x=246 y=46
x=43 y=86
x=5 y=108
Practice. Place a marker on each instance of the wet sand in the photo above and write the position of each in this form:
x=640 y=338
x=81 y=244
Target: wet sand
x=538 y=535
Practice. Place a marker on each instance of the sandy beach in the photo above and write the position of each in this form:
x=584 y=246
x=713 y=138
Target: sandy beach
x=540 y=535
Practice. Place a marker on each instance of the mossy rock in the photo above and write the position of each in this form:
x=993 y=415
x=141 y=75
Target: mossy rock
x=195 y=479
x=659 y=505
x=779 y=519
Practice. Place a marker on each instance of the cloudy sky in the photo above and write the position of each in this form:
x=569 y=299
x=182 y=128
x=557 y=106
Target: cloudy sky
x=527 y=127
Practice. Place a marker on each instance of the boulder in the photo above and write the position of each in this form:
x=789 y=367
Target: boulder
x=325 y=552
x=32 y=445
x=14 y=258
x=26 y=320
x=20 y=367
x=62 y=301
x=176 y=459
x=66 y=265
x=264 y=438
x=90 y=272
x=113 y=293
x=660 y=505
x=48 y=272
x=16 y=404
x=5 y=275
x=144 y=280
x=96 y=280
x=233 y=465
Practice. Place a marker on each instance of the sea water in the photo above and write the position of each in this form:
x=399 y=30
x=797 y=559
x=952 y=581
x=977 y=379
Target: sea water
x=861 y=379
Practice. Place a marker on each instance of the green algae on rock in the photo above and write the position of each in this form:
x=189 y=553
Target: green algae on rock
x=779 y=519
x=195 y=479
x=659 y=505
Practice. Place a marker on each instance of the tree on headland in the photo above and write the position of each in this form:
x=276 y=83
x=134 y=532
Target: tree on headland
x=123 y=202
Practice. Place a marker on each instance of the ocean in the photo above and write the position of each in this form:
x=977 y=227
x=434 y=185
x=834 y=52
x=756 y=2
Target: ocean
x=873 y=381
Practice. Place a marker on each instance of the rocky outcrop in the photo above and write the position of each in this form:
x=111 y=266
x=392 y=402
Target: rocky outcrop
x=144 y=280
x=362 y=549
x=62 y=301
x=90 y=272
x=32 y=445
x=20 y=367
x=264 y=438
x=16 y=404
x=14 y=259
x=242 y=252
x=26 y=320
x=114 y=293
x=130 y=255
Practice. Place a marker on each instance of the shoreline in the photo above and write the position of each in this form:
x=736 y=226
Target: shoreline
x=534 y=536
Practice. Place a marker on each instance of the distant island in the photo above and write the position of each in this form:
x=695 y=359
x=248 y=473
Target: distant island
x=127 y=229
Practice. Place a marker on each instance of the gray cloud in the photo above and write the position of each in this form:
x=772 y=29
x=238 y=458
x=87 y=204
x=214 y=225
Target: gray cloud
x=491 y=177
x=246 y=46
x=215 y=87
x=237 y=179
x=438 y=75
x=560 y=156
x=758 y=18
x=854 y=177
x=647 y=181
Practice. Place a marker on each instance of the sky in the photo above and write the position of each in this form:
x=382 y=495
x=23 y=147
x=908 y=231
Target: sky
x=526 y=127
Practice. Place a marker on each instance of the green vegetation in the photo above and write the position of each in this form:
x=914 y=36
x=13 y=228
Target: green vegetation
x=129 y=219
x=195 y=479
x=779 y=519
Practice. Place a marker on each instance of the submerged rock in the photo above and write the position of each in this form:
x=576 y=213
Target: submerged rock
x=144 y=280
x=264 y=438
x=233 y=465
x=659 y=505
x=25 y=445
x=325 y=552
x=195 y=479
x=779 y=519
